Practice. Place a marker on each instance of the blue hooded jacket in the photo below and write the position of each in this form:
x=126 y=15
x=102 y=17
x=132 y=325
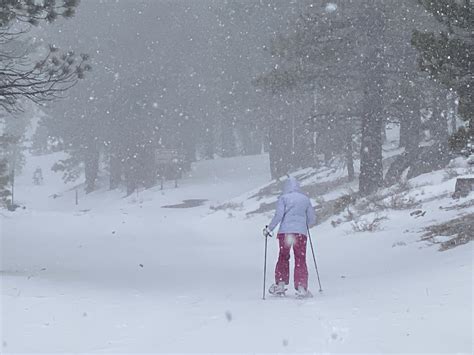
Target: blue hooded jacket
x=294 y=211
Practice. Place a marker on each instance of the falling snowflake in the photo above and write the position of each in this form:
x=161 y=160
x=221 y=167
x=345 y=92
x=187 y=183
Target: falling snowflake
x=331 y=7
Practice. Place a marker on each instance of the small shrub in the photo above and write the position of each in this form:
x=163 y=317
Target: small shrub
x=399 y=244
x=400 y=202
x=403 y=186
x=342 y=203
x=228 y=206
x=457 y=231
x=366 y=225
x=350 y=215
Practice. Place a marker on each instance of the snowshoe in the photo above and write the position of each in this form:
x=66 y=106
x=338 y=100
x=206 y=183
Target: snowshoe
x=277 y=289
x=301 y=292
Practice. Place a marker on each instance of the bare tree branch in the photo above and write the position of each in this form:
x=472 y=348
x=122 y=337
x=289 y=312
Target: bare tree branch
x=20 y=77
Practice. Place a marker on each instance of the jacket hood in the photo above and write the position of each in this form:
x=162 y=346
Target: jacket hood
x=291 y=185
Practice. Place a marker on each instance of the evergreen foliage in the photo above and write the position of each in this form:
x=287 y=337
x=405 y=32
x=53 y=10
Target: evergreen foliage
x=447 y=56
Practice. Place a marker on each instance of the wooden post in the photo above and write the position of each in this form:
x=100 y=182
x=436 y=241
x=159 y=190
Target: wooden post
x=77 y=197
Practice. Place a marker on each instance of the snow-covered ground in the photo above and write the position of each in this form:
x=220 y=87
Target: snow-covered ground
x=117 y=274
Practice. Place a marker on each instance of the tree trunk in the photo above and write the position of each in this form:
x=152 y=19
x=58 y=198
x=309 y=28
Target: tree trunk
x=404 y=131
x=439 y=118
x=371 y=169
x=273 y=152
x=130 y=177
x=148 y=167
x=91 y=164
x=115 y=171
x=228 y=138
x=452 y=112
x=413 y=134
x=131 y=169
x=303 y=145
x=384 y=131
x=371 y=173
x=209 y=143
x=280 y=149
x=349 y=156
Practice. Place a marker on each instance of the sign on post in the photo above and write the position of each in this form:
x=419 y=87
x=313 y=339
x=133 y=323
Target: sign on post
x=170 y=164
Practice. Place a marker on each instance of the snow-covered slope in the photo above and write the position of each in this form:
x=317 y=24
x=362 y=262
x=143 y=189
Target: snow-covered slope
x=117 y=274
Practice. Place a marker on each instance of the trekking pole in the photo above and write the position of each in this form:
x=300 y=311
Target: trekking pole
x=314 y=258
x=265 y=267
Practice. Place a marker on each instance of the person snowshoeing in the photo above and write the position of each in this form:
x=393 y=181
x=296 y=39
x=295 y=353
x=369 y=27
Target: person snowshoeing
x=295 y=214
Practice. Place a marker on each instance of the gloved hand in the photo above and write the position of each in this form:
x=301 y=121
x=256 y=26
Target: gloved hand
x=267 y=232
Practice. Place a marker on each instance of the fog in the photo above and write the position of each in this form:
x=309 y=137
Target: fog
x=216 y=176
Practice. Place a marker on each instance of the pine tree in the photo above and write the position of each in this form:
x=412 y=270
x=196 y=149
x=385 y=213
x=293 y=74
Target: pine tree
x=5 y=173
x=371 y=168
x=310 y=64
x=4 y=182
x=447 y=56
x=40 y=140
x=22 y=77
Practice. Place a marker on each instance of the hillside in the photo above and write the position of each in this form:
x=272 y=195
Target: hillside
x=117 y=274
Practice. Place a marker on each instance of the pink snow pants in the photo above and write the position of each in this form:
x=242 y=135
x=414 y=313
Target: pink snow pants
x=282 y=270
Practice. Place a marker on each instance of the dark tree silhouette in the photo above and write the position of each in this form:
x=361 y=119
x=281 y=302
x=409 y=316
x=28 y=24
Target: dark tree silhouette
x=20 y=76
